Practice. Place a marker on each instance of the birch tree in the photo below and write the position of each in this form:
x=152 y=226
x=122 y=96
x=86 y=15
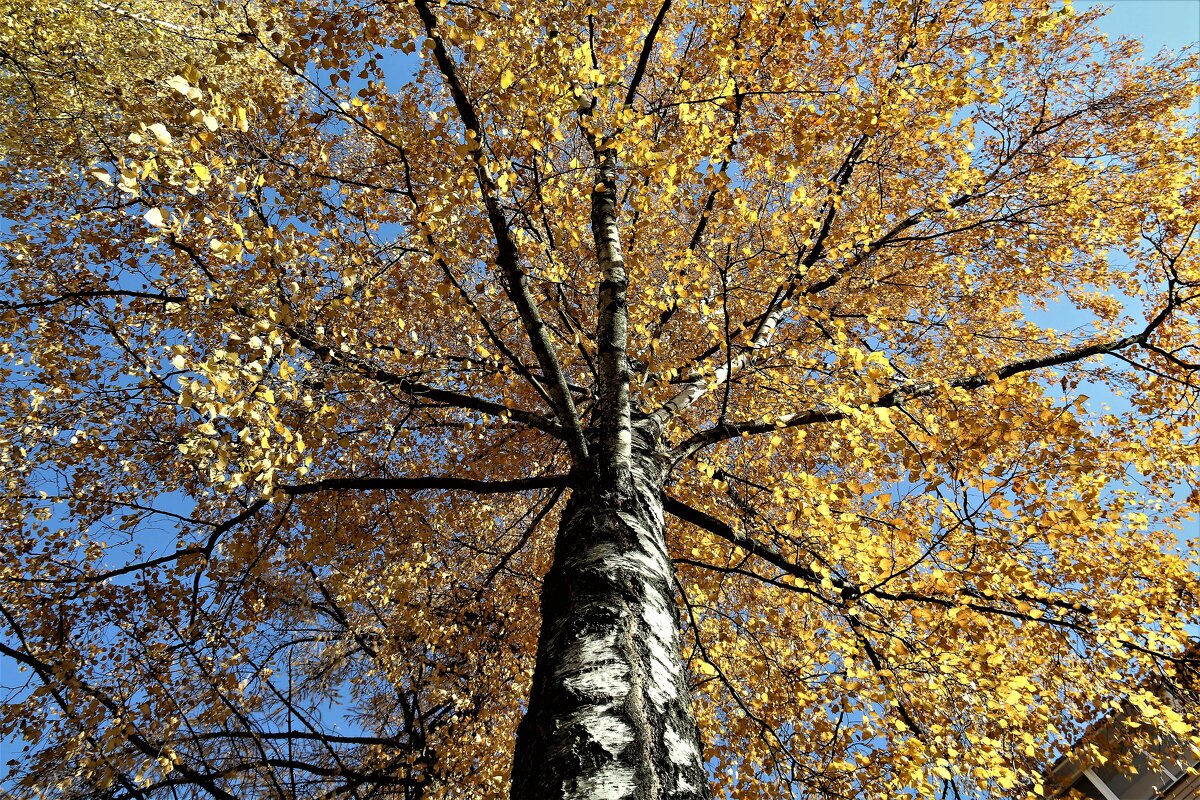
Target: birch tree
x=631 y=400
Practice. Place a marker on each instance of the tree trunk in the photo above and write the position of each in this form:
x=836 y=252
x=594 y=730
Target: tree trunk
x=610 y=713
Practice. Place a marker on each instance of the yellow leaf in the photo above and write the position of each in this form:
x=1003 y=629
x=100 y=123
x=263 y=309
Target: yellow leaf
x=155 y=217
x=179 y=84
x=161 y=134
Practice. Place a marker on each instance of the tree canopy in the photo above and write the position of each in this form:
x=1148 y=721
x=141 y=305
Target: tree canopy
x=316 y=316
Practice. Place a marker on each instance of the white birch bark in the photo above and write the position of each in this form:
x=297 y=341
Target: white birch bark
x=610 y=712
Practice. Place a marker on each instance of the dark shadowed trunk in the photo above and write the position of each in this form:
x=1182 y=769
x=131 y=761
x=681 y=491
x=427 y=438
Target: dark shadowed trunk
x=610 y=713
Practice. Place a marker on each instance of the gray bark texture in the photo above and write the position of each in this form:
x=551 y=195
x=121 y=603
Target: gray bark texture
x=610 y=712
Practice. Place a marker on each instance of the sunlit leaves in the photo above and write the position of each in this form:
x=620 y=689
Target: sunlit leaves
x=248 y=253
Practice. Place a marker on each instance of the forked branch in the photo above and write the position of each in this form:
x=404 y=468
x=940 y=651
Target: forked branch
x=914 y=390
x=507 y=258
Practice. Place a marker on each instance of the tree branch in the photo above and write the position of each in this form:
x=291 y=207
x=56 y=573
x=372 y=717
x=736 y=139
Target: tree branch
x=896 y=397
x=427 y=483
x=647 y=48
x=52 y=675
x=447 y=397
x=698 y=386
x=67 y=297
x=384 y=377
x=848 y=592
x=612 y=329
x=507 y=258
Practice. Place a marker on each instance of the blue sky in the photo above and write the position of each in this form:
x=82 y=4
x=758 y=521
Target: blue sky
x=1158 y=23
x=1172 y=24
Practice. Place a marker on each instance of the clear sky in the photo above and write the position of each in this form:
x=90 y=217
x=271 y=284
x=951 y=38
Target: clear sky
x=1171 y=24
x=1158 y=23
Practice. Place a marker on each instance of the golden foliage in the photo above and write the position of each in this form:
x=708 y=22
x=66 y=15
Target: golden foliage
x=249 y=268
